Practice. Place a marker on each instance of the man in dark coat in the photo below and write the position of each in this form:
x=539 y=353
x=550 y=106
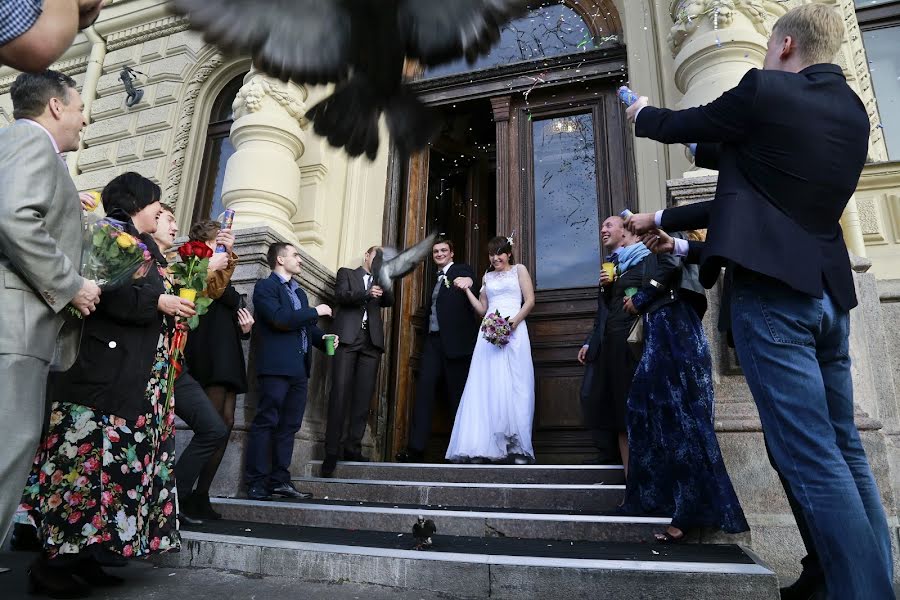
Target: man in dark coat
x=355 y=367
x=286 y=331
x=452 y=331
x=789 y=143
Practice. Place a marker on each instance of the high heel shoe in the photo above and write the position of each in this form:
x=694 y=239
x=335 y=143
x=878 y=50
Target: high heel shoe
x=54 y=582
x=93 y=574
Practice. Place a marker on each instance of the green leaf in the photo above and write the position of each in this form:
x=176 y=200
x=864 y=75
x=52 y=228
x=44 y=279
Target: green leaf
x=193 y=322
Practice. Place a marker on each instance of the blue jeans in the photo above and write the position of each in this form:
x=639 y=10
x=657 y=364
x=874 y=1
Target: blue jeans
x=794 y=350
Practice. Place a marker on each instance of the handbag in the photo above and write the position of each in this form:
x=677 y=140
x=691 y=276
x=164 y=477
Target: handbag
x=636 y=337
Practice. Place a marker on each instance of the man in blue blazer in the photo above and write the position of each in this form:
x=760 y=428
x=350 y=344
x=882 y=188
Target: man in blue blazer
x=286 y=331
x=789 y=143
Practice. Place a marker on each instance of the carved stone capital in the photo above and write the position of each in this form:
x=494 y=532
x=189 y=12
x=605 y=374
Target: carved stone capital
x=691 y=16
x=261 y=92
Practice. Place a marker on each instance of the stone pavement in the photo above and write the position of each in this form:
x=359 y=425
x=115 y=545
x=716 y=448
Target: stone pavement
x=147 y=582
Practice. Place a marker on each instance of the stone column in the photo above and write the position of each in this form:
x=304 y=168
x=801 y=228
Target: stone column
x=715 y=42
x=262 y=180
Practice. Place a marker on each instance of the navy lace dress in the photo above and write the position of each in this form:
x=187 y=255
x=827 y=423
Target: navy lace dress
x=676 y=468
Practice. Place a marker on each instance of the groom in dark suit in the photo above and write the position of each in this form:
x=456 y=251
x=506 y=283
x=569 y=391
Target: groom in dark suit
x=452 y=331
x=355 y=367
x=789 y=143
x=286 y=331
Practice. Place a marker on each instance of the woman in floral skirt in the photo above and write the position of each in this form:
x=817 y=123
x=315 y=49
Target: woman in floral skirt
x=103 y=484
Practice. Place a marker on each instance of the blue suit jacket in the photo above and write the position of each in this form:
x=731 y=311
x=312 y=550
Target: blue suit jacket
x=278 y=329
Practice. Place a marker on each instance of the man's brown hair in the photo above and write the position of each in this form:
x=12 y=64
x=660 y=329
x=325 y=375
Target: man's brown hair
x=204 y=231
x=817 y=30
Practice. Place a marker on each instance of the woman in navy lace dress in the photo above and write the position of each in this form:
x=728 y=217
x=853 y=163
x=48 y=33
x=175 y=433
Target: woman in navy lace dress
x=676 y=467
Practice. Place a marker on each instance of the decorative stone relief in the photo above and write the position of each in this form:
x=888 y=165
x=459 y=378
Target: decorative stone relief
x=856 y=67
x=688 y=15
x=185 y=122
x=250 y=99
x=146 y=32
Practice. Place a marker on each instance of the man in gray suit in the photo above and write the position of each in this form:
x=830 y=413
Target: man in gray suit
x=40 y=255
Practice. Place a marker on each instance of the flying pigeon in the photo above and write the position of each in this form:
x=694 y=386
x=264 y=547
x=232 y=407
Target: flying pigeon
x=389 y=265
x=360 y=45
x=423 y=530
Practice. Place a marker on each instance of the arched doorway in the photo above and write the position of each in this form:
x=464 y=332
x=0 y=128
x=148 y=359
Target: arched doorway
x=534 y=144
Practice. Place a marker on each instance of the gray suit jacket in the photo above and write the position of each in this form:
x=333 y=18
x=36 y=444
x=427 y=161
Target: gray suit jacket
x=40 y=248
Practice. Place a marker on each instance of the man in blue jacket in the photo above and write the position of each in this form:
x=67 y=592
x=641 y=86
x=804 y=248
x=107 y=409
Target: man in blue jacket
x=286 y=331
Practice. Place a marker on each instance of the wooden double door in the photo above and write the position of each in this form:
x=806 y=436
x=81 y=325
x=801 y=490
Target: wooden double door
x=545 y=164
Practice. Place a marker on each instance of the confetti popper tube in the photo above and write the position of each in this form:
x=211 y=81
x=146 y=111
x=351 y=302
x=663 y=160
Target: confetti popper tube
x=227 y=222
x=626 y=214
x=627 y=96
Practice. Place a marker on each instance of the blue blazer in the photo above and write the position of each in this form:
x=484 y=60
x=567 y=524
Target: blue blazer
x=278 y=329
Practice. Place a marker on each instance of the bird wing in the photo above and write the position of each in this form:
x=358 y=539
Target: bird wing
x=304 y=40
x=437 y=31
x=406 y=261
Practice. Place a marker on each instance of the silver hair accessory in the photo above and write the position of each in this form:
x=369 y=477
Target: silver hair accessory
x=509 y=238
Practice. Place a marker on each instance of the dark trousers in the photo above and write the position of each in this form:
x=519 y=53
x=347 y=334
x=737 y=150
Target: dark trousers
x=270 y=441
x=194 y=408
x=606 y=441
x=435 y=368
x=353 y=373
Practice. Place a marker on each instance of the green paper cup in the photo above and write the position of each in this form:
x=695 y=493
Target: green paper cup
x=629 y=292
x=329 y=344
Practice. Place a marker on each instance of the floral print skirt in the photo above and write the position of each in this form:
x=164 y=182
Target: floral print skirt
x=99 y=479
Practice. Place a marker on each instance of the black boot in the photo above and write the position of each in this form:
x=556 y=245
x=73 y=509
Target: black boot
x=329 y=465
x=25 y=538
x=93 y=574
x=56 y=582
x=204 y=507
x=188 y=511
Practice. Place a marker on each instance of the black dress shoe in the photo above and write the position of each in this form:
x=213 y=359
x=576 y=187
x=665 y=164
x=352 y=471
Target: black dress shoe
x=411 y=455
x=287 y=490
x=807 y=587
x=355 y=457
x=187 y=511
x=108 y=558
x=258 y=492
x=93 y=574
x=54 y=582
x=328 y=465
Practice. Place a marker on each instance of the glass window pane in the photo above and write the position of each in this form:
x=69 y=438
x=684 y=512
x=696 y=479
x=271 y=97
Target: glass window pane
x=884 y=64
x=222 y=151
x=867 y=3
x=567 y=228
x=553 y=29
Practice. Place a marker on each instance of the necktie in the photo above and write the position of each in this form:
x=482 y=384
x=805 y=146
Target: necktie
x=295 y=302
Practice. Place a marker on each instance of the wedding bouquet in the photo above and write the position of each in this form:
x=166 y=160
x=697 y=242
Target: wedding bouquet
x=111 y=256
x=496 y=329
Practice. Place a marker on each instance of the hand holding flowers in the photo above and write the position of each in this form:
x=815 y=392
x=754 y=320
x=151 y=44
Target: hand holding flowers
x=496 y=329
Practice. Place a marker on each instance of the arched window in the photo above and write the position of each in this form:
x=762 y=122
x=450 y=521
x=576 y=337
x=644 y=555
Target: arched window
x=218 y=148
x=551 y=28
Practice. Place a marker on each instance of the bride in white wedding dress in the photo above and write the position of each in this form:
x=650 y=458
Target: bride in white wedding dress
x=497 y=408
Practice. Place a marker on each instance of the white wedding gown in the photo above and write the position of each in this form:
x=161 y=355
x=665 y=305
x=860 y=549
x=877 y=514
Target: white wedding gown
x=497 y=407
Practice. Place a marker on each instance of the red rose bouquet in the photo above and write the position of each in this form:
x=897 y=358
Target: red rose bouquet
x=496 y=329
x=189 y=277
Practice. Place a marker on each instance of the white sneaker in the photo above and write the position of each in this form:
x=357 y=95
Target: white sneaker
x=521 y=460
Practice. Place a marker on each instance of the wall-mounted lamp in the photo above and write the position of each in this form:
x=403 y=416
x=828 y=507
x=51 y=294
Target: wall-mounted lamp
x=134 y=95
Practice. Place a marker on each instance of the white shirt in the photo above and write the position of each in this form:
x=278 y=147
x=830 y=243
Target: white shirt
x=366 y=279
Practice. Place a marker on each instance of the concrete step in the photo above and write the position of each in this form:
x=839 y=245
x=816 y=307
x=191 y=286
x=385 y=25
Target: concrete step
x=596 y=497
x=450 y=520
x=460 y=567
x=450 y=473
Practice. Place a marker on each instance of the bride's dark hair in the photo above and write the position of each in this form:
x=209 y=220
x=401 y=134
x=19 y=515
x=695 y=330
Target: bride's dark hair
x=500 y=245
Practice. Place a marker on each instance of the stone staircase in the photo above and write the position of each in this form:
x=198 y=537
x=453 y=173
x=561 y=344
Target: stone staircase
x=503 y=532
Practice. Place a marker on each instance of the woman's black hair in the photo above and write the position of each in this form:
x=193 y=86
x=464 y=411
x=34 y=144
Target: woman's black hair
x=130 y=192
